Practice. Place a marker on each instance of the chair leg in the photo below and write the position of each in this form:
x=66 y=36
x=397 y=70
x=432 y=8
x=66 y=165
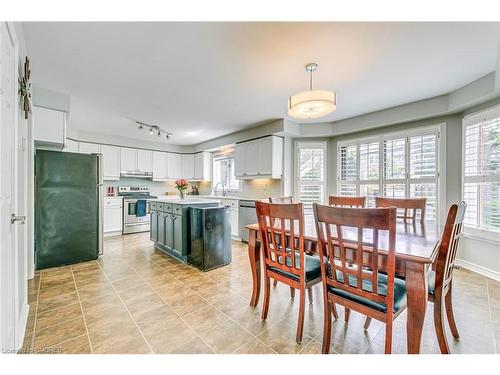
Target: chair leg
x=388 y=337
x=450 y=315
x=347 y=313
x=334 y=310
x=275 y=282
x=327 y=325
x=292 y=292
x=368 y=320
x=310 y=294
x=439 y=325
x=300 y=324
x=267 y=295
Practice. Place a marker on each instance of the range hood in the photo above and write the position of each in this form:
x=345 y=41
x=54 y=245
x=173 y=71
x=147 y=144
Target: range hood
x=136 y=174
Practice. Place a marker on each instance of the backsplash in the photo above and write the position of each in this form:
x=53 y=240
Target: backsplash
x=156 y=187
x=258 y=188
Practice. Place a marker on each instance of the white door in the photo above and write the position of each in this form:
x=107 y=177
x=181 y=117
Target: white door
x=159 y=166
x=13 y=273
x=145 y=160
x=110 y=162
x=174 y=166
x=188 y=166
x=240 y=160
x=128 y=159
x=266 y=156
x=252 y=158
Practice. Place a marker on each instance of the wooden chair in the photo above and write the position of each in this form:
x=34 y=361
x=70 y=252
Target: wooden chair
x=413 y=204
x=284 y=256
x=350 y=267
x=281 y=200
x=346 y=201
x=440 y=280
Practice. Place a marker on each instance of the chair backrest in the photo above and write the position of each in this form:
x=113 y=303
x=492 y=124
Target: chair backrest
x=281 y=200
x=347 y=262
x=346 y=201
x=282 y=236
x=413 y=204
x=449 y=244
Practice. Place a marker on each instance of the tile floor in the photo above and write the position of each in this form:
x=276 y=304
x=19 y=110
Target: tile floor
x=137 y=300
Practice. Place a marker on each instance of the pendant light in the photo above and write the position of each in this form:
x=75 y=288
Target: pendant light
x=312 y=104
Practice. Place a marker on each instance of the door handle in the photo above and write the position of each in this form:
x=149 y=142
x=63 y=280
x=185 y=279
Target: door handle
x=14 y=218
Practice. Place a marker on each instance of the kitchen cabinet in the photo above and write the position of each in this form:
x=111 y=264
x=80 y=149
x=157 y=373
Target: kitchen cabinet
x=49 y=127
x=203 y=166
x=160 y=166
x=180 y=241
x=113 y=209
x=259 y=158
x=233 y=205
x=187 y=166
x=144 y=160
x=110 y=162
x=153 y=228
x=89 y=148
x=174 y=166
x=161 y=227
x=128 y=159
x=70 y=146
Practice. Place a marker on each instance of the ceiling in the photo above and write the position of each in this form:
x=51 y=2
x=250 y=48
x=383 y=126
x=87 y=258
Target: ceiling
x=204 y=80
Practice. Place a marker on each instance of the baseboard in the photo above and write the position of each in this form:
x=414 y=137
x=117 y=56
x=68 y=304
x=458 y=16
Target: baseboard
x=22 y=330
x=478 y=269
x=113 y=233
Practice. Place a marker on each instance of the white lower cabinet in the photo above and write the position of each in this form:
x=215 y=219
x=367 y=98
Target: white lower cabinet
x=233 y=205
x=113 y=212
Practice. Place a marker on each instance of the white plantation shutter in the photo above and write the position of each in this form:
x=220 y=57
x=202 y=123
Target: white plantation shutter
x=310 y=172
x=481 y=169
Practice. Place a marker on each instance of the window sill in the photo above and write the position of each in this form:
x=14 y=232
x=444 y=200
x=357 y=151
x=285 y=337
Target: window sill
x=483 y=235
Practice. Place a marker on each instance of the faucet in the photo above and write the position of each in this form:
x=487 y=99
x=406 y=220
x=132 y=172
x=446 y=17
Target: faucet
x=223 y=188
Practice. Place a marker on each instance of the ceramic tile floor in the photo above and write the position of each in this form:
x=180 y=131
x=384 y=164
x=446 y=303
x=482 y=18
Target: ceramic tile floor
x=137 y=300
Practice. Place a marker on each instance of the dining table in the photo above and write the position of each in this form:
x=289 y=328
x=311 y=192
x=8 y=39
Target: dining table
x=416 y=250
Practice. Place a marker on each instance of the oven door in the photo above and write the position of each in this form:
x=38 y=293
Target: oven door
x=129 y=212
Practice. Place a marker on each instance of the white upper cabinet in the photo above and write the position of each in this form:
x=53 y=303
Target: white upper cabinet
x=203 y=166
x=49 y=127
x=89 y=148
x=188 y=166
x=70 y=146
x=174 y=166
x=110 y=162
x=260 y=158
x=160 y=166
x=144 y=161
x=128 y=158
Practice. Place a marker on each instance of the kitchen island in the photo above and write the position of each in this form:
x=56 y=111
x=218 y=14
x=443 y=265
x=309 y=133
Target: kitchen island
x=170 y=224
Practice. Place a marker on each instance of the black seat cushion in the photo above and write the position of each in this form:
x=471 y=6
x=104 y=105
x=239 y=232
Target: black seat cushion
x=399 y=292
x=313 y=267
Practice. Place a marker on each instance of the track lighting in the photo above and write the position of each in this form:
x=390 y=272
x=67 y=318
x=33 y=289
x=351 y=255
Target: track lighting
x=153 y=129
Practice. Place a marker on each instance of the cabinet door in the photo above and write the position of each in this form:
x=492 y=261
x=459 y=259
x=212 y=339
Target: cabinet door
x=145 y=161
x=198 y=166
x=234 y=222
x=110 y=162
x=128 y=159
x=159 y=166
x=177 y=233
x=174 y=166
x=49 y=125
x=168 y=231
x=188 y=166
x=89 y=148
x=153 y=233
x=265 y=156
x=112 y=218
x=70 y=146
x=252 y=158
x=161 y=227
x=239 y=160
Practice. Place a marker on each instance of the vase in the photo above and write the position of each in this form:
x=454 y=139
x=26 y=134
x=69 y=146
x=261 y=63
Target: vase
x=181 y=193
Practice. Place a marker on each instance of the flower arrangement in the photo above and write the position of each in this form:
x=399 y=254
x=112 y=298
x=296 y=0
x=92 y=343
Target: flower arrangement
x=182 y=186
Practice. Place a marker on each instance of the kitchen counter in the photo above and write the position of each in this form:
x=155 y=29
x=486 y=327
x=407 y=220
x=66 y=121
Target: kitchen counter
x=186 y=201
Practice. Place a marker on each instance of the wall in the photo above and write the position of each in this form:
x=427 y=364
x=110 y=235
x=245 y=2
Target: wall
x=258 y=188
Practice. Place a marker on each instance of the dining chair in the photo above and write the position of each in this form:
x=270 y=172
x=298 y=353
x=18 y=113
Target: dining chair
x=281 y=200
x=286 y=260
x=350 y=264
x=407 y=204
x=346 y=201
x=440 y=279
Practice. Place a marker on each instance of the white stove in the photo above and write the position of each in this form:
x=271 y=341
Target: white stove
x=132 y=223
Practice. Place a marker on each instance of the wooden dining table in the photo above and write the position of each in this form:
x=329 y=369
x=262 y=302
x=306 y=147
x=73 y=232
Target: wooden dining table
x=416 y=251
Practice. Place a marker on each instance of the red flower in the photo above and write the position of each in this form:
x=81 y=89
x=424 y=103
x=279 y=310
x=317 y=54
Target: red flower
x=181 y=184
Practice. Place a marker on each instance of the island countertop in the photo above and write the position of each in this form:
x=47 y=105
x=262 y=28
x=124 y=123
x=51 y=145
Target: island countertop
x=187 y=201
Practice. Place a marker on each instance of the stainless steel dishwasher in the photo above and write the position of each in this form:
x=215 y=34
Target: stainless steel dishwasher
x=246 y=215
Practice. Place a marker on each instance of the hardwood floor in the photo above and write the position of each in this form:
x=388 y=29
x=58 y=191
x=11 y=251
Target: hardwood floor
x=137 y=300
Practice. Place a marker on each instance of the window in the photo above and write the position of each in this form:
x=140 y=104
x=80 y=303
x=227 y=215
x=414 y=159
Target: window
x=310 y=169
x=481 y=169
x=396 y=165
x=223 y=174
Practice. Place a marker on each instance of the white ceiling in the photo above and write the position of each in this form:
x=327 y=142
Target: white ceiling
x=204 y=80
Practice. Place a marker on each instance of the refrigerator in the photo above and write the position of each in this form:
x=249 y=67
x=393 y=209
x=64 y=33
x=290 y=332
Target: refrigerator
x=68 y=208
x=210 y=237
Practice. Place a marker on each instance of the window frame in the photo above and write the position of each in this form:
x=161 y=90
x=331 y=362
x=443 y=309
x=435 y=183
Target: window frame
x=440 y=179
x=214 y=183
x=310 y=144
x=490 y=235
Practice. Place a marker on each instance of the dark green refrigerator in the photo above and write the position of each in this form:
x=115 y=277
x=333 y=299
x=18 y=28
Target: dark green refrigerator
x=68 y=208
